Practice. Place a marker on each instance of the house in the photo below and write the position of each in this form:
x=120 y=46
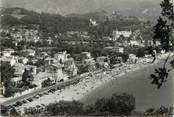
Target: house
x=70 y=67
x=132 y=58
x=9 y=59
x=119 y=49
x=90 y=63
x=32 y=68
x=117 y=34
x=23 y=60
x=42 y=55
x=19 y=69
x=85 y=55
x=49 y=41
x=49 y=61
x=8 y=52
x=61 y=57
x=29 y=52
x=56 y=72
x=103 y=62
x=42 y=76
x=115 y=49
x=16 y=80
x=93 y=22
x=134 y=43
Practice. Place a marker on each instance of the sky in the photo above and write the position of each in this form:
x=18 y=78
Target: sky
x=65 y=7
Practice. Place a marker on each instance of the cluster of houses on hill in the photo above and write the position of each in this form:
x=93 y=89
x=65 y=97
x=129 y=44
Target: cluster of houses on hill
x=21 y=33
x=42 y=66
x=59 y=67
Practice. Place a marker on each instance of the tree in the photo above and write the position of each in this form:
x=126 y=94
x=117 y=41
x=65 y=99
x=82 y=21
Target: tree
x=64 y=108
x=163 y=27
x=140 y=52
x=27 y=77
x=7 y=73
x=122 y=104
x=162 y=32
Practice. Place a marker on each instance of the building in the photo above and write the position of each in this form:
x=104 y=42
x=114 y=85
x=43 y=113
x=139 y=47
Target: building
x=115 y=49
x=85 y=55
x=103 y=62
x=49 y=61
x=56 y=72
x=61 y=57
x=90 y=63
x=28 y=52
x=117 y=34
x=93 y=22
x=8 y=52
x=23 y=60
x=9 y=59
x=20 y=68
x=70 y=67
x=132 y=58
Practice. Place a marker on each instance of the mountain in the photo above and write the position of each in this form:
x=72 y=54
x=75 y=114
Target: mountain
x=98 y=15
x=46 y=21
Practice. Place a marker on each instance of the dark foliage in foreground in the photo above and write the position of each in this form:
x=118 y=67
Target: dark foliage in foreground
x=7 y=73
x=122 y=104
x=162 y=32
x=159 y=111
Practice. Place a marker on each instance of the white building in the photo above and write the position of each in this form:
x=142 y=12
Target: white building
x=56 y=71
x=117 y=34
x=70 y=67
x=29 y=52
x=93 y=22
x=8 y=52
x=61 y=57
x=10 y=59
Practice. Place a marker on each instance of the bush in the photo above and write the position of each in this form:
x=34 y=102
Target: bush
x=140 y=52
x=65 y=108
x=122 y=104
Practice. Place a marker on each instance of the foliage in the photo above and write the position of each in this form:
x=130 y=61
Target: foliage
x=161 y=74
x=158 y=111
x=162 y=29
x=167 y=9
x=47 y=82
x=65 y=108
x=162 y=32
x=140 y=52
x=122 y=104
x=27 y=77
x=47 y=22
x=7 y=73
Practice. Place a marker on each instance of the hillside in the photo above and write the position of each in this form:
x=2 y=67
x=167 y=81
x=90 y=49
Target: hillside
x=98 y=16
x=46 y=21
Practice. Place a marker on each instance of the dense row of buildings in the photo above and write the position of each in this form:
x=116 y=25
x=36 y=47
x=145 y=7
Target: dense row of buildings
x=61 y=65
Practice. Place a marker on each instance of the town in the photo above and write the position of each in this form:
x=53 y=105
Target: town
x=43 y=59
